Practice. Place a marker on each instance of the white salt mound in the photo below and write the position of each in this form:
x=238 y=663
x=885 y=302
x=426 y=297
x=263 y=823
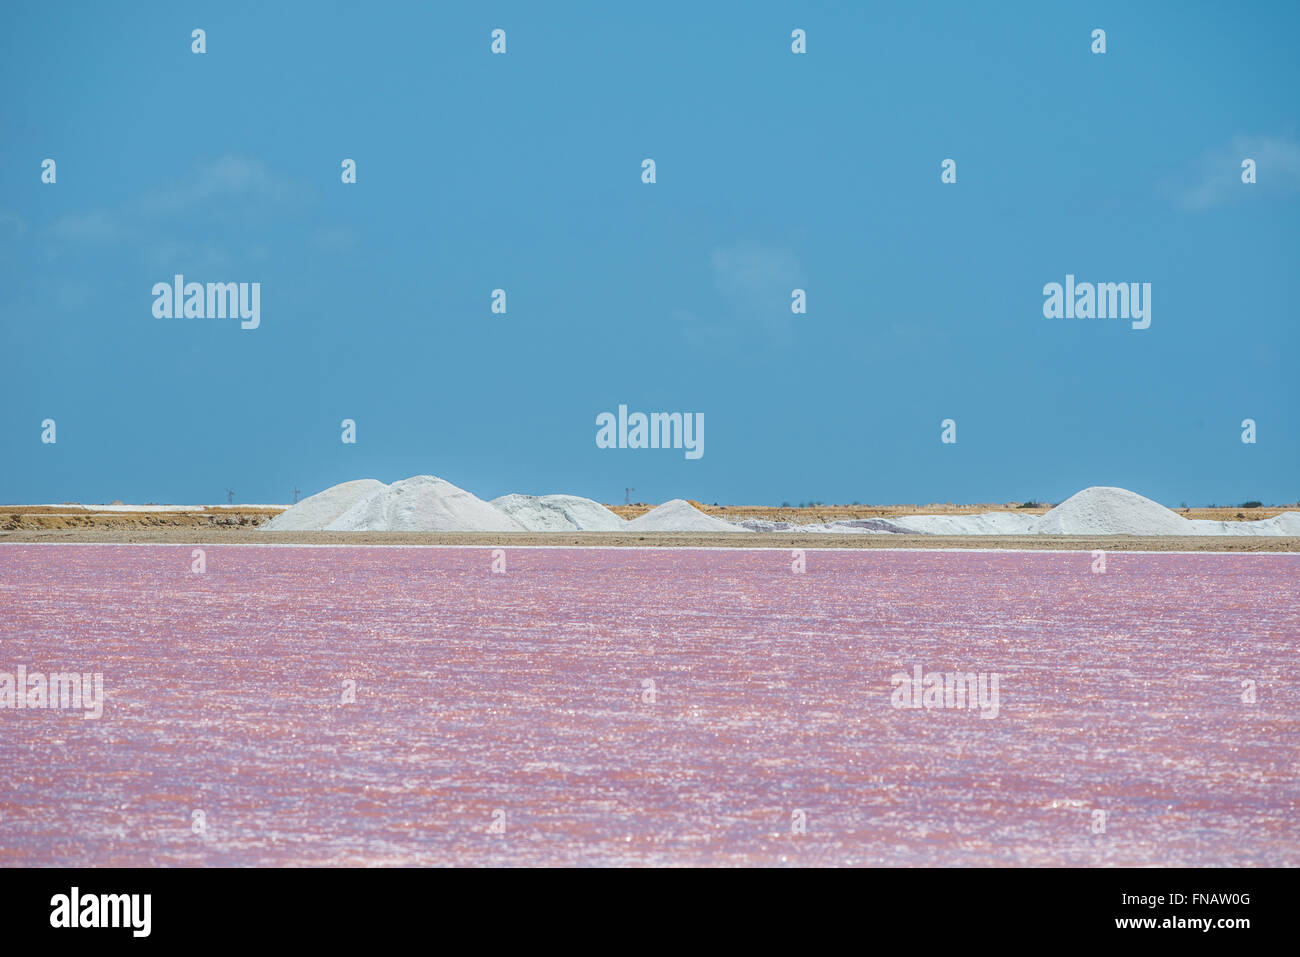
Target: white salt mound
x=559 y=513
x=869 y=526
x=423 y=504
x=428 y=504
x=314 y=513
x=1287 y=523
x=1102 y=510
x=850 y=527
x=988 y=523
x=680 y=516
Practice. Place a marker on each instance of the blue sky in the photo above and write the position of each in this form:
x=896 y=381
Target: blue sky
x=774 y=171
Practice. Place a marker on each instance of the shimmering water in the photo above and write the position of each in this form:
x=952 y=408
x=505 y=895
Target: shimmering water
x=525 y=693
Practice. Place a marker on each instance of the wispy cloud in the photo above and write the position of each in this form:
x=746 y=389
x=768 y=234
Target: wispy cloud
x=164 y=254
x=97 y=226
x=1216 y=178
x=753 y=282
x=334 y=238
x=756 y=279
x=234 y=192
x=232 y=180
x=11 y=225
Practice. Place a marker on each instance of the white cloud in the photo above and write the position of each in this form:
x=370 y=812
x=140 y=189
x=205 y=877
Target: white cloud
x=1217 y=177
x=756 y=279
x=237 y=180
x=97 y=226
x=224 y=198
x=753 y=282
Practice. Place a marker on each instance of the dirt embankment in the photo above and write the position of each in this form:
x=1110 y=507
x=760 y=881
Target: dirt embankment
x=15 y=518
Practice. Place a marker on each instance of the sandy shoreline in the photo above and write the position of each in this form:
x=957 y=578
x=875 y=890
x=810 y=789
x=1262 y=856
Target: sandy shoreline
x=247 y=535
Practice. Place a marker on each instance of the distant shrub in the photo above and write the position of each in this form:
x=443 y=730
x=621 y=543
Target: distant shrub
x=1030 y=505
x=1252 y=504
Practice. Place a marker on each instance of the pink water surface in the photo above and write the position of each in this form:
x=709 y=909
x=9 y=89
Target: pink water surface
x=523 y=693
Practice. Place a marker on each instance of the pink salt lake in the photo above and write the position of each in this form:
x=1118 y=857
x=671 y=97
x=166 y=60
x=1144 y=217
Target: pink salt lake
x=522 y=699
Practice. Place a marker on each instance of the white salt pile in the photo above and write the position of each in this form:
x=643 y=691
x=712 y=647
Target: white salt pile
x=423 y=504
x=1288 y=523
x=316 y=512
x=1102 y=510
x=680 y=516
x=987 y=523
x=876 y=526
x=559 y=513
x=428 y=504
x=855 y=526
x=767 y=525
